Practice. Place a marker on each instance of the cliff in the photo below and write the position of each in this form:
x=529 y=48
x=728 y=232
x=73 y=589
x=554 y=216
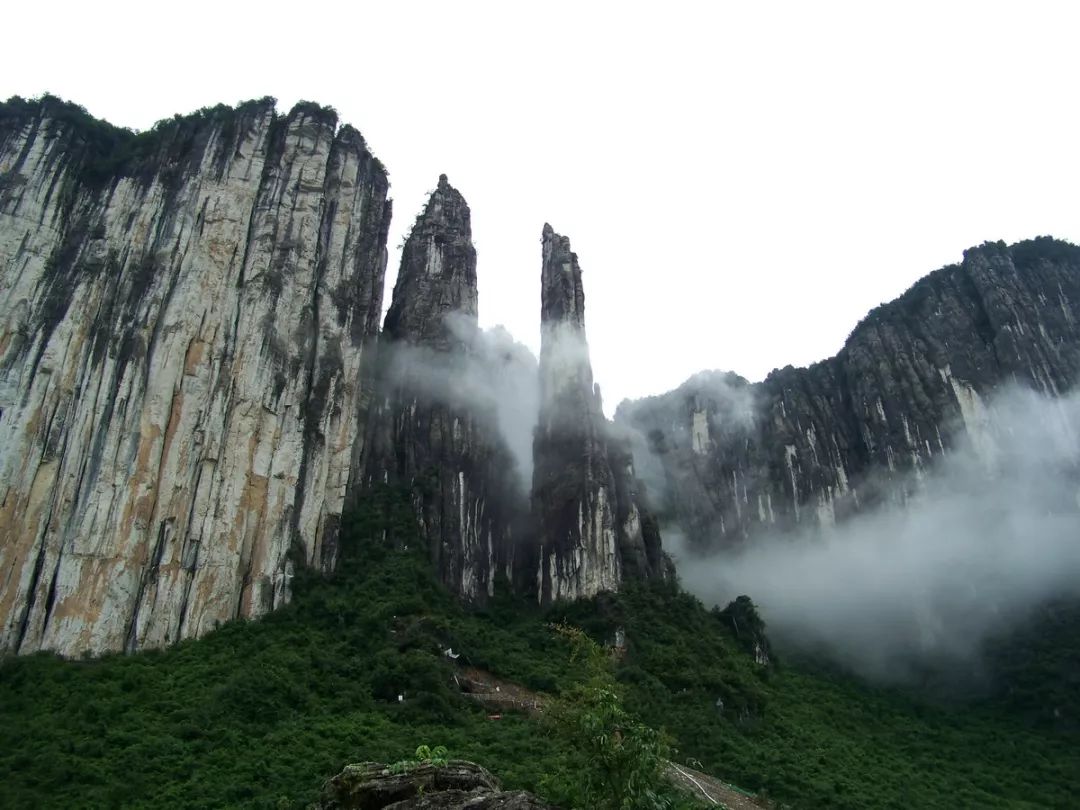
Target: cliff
x=184 y=320
x=435 y=427
x=589 y=516
x=190 y=391
x=809 y=446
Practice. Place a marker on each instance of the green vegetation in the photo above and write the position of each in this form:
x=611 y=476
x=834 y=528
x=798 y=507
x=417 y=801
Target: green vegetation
x=262 y=711
x=425 y=755
x=105 y=152
x=618 y=760
x=820 y=739
x=258 y=714
x=923 y=295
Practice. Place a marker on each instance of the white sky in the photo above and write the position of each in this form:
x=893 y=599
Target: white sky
x=741 y=181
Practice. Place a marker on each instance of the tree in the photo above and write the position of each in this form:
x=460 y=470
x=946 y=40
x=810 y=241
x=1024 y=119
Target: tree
x=621 y=760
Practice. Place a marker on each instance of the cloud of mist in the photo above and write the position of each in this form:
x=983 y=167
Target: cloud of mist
x=710 y=406
x=495 y=374
x=901 y=591
x=729 y=399
x=565 y=354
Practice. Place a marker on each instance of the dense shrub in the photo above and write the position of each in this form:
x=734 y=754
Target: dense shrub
x=258 y=714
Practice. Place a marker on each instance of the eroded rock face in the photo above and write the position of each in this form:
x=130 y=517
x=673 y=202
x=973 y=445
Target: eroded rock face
x=589 y=518
x=435 y=426
x=809 y=446
x=438 y=275
x=455 y=785
x=184 y=322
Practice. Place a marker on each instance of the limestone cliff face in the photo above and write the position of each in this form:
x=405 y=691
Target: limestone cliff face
x=184 y=318
x=433 y=429
x=589 y=518
x=810 y=446
x=189 y=387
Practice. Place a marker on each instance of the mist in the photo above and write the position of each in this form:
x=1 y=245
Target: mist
x=983 y=541
x=724 y=405
x=495 y=374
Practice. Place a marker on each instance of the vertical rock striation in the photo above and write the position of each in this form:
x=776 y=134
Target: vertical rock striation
x=434 y=429
x=184 y=320
x=589 y=520
x=809 y=446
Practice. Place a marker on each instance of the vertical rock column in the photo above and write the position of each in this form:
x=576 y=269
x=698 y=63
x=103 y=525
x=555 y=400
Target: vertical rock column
x=433 y=430
x=574 y=491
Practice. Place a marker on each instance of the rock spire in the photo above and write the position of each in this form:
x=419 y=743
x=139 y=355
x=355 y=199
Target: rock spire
x=585 y=502
x=435 y=427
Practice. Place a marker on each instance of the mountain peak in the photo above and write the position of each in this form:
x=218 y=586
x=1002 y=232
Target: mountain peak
x=438 y=270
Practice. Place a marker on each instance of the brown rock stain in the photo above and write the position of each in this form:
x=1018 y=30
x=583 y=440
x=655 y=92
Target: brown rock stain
x=140 y=508
x=249 y=528
x=194 y=357
x=84 y=607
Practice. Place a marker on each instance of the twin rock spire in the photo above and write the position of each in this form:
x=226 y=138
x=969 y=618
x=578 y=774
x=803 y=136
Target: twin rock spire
x=579 y=525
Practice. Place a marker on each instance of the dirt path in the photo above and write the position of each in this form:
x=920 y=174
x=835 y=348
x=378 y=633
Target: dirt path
x=711 y=789
x=498 y=695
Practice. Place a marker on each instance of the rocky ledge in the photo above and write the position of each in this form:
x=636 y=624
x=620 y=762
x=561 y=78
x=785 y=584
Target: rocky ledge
x=457 y=784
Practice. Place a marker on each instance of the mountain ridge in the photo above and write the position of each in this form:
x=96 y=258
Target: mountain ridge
x=735 y=458
x=194 y=385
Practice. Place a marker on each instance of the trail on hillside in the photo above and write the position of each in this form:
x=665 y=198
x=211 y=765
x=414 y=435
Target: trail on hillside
x=498 y=695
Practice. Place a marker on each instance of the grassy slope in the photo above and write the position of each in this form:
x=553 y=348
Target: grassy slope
x=258 y=714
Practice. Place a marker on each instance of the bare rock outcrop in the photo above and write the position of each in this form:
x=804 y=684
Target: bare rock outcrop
x=454 y=786
x=184 y=327
x=434 y=426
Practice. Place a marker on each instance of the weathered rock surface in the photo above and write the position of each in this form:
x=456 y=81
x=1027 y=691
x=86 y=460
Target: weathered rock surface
x=187 y=380
x=809 y=446
x=184 y=318
x=590 y=522
x=458 y=784
x=438 y=275
x=434 y=425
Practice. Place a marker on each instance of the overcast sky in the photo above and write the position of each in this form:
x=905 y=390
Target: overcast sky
x=741 y=182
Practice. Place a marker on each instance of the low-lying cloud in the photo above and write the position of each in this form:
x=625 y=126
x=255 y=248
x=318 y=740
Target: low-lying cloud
x=495 y=374
x=905 y=590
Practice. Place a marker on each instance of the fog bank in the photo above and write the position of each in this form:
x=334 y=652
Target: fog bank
x=495 y=374
x=986 y=538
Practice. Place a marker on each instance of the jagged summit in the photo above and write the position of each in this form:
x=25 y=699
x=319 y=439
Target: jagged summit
x=438 y=272
x=562 y=295
x=808 y=447
x=430 y=431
